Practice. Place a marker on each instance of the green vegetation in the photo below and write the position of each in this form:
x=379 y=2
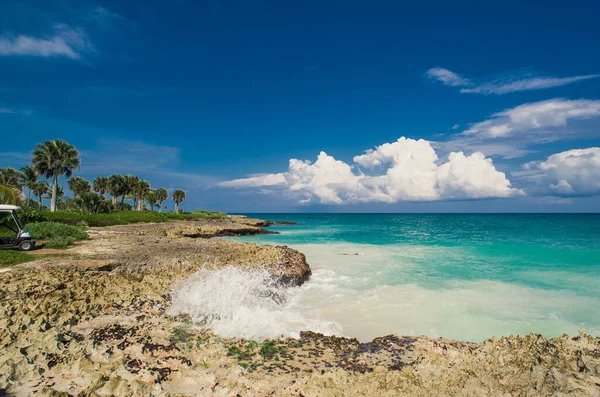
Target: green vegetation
x=54 y=159
x=115 y=218
x=60 y=242
x=10 y=257
x=180 y=335
x=54 y=230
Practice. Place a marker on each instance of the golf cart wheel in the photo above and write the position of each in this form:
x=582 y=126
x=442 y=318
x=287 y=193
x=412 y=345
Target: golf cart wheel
x=26 y=245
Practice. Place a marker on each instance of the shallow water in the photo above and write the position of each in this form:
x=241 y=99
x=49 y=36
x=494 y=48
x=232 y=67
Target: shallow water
x=466 y=277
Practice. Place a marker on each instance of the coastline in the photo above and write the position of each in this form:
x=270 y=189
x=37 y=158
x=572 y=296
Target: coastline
x=96 y=319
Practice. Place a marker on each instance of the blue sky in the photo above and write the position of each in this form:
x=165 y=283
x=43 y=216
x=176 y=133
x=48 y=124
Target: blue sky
x=203 y=95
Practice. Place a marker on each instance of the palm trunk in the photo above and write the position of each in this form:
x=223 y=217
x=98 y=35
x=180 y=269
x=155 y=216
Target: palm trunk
x=29 y=196
x=114 y=200
x=41 y=204
x=139 y=204
x=160 y=207
x=54 y=189
x=123 y=198
x=176 y=207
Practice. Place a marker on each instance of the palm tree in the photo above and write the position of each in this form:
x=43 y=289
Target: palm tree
x=101 y=185
x=161 y=195
x=141 y=189
x=90 y=202
x=131 y=182
x=79 y=186
x=53 y=159
x=178 y=197
x=9 y=176
x=151 y=199
x=28 y=179
x=116 y=186
x=39 y=189
x=10 y=195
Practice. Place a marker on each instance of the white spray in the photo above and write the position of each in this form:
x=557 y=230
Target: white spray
x=244 y=303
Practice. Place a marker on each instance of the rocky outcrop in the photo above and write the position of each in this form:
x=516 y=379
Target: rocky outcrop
x=95 y=321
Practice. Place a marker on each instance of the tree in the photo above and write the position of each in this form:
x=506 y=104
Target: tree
x=10 y=177
x=39 y=189
x=79 y=186
x=10 y=195
x=101 y=185
x=131 y=182
x=91 y=202
x=178 y=197
x=141 y=189
x=116 y=186
x=28 y=178
x=53 y=159
x=161 y=195
x=151 y=199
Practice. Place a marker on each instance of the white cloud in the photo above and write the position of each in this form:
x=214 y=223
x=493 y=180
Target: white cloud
x=410 y=173
x=65 y=42
x=535 y=83
x=534 y=117
x=15 y=111
x=574 y=172
x=447 y=77
x=507 y=85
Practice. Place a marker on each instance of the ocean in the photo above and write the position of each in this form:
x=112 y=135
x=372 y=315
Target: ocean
x=461 y=276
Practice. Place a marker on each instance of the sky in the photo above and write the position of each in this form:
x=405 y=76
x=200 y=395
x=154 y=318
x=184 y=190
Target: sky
x=289 y=106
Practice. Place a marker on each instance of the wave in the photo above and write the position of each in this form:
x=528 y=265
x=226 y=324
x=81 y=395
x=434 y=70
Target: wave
x=248 y=304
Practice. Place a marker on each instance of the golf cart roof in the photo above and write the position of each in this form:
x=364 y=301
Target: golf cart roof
x=5 y=207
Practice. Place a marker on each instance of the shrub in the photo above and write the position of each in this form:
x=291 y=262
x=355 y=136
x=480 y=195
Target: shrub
x=50 y=230
x=10 y=257
x=29 y=215
x=60 y=242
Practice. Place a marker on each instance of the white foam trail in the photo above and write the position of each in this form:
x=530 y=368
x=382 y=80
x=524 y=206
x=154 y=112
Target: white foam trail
x=244 y=303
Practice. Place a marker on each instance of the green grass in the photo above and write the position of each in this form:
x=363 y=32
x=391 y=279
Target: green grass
x=10 y=257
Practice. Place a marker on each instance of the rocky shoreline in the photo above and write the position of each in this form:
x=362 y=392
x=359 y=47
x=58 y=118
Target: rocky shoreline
x=94 y=321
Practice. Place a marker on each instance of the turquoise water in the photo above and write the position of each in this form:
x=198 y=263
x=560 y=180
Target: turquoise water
x=466 y=277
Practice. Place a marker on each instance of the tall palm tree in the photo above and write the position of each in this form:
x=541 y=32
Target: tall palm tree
x=10 y=195
x=116 y=186
x=39 y=189
x=161 y=195
x=79 y=186
x=53 y=159
x=28 y=179
x=141 y=189
x=178 y=197
x=9 y=176
x=151 y=199
x=131 y=182
x=101 y=185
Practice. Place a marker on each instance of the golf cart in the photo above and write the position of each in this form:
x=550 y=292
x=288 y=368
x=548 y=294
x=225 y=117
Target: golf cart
x=12 y=234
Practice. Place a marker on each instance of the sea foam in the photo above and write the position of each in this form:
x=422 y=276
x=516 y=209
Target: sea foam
x=245 y=303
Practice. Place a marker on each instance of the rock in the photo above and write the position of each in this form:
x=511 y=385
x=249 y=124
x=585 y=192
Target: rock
x=96 y=322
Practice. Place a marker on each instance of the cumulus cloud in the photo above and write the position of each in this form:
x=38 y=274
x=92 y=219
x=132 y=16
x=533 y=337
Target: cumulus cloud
x=65 y=42
x=405 y=170
x=536 y=116
x=574 y=172
x=506 y=85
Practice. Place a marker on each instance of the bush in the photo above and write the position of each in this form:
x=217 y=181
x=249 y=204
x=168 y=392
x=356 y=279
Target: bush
x=30 y=215
x=125 y=217
x=52 y=230
x=60 y=242
x=10 y=258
